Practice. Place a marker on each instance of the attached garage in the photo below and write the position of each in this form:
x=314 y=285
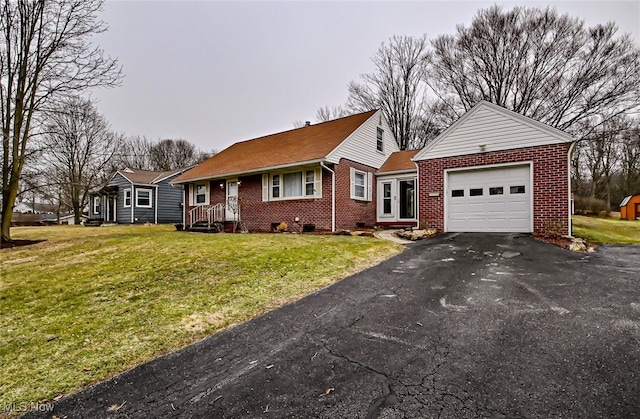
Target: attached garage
x=494 y=170
x=489 y=199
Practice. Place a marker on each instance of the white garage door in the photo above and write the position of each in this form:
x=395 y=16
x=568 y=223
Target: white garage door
x=486 y=200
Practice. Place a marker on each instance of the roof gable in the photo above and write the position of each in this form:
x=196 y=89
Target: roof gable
x=146 y=177
x=297 y=146
x=488 y=127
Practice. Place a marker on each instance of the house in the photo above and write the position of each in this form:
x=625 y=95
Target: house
x=138 y=196
x=630 y=207
x=320 y=176
x=494 y=170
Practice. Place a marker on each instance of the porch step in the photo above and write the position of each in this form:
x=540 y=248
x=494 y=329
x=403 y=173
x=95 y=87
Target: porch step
x=206 y=228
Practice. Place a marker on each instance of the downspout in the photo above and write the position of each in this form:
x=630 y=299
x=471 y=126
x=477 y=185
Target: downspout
x=571 y=147
x=132 y=201
x=333 y=197
x=417 y=195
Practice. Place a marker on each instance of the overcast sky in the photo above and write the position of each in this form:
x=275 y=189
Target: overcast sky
x=215 y=73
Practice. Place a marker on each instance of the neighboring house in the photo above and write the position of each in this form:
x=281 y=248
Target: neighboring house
x=34 y=208
x=320 y=175
x=138 y=196
x=494 y=170
x=69 y=219
x=630 y=207
x=23 y=208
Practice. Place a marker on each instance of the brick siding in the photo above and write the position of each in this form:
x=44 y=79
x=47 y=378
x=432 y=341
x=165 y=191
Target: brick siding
x=259 y=216
x=550 y=185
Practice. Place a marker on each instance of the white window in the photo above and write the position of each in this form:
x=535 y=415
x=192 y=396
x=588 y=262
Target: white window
x=127 y=198
x=292 y=185
x=201 y=194
x=96 y=205
x=309 y=183
x=379 y=140
x=143 y=198
x=361 y=185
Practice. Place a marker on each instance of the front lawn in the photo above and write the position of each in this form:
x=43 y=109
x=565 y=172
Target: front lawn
x=88 y=303
x=606 y=230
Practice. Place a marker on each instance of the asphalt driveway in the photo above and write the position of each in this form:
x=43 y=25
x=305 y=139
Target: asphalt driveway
x=466 y=325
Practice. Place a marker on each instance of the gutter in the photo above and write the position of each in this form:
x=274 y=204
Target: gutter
x=333 y=197
x=250 y=171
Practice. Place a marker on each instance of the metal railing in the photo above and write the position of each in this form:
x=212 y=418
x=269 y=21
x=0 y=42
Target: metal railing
x=206 y=213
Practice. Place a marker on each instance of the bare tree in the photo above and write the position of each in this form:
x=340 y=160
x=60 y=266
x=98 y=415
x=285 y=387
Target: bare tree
x=142 y=153
x=45 y=53
x=540 y=64
x=327 y=113
x=397 y=87
x=630 y=157
x=135 y=153
x=78 y=147
x=171 y=154
x=606 y=163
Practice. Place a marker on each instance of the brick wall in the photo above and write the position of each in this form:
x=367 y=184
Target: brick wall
x=550 y=185
x=352 y=212
x=259 y=216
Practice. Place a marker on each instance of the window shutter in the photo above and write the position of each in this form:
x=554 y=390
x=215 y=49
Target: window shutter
x=352 y=177
x=369 y=186
x=317 y=183
x=265 y=187
x=191 y=193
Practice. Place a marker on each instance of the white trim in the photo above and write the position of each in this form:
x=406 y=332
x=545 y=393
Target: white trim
x=558 y=135
x=124 y=197
x=155 y=216
x=333 y=197
x=193 y=199
x=394 y=216
x=484 y=167
x=138 y=190
x=398 y=172
x=317 y=190
x=252 y=171
x=569 y=209
x=96 y=203
x=352 y=177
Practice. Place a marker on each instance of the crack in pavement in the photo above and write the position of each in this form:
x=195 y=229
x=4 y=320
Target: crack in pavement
x=388 y=395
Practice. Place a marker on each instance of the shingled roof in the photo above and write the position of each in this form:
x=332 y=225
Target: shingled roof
x=399 y=161
x=300 y=145
x=146 y=177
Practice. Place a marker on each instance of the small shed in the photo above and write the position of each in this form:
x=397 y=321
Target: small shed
x=630 y=207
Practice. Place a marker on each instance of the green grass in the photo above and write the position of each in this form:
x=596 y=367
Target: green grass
x=91 y=302
x=606 y=230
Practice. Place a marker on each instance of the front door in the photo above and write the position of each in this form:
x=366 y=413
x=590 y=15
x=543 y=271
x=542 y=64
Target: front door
x=233 y=205
x=397 y=200
x=407 y=199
